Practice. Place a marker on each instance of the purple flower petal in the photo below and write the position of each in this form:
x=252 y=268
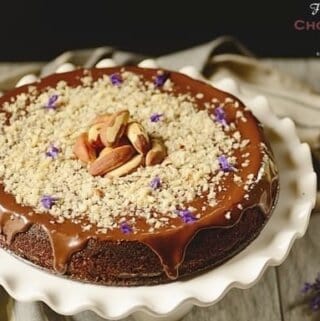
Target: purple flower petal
x=155 y=183
x=155 y=117
x=313 y=290
x=116 y=79
x=306 y=288
x=317 y=283
x=161 y=79
x=125 y=228
x=53 y=152
x=52 y=102
x=315 y=303
x=220 y=116
x=186 y=216
x=48 y=201
x=224 y=164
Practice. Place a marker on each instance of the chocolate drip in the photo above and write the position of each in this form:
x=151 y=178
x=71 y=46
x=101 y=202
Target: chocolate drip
x=169 y=244
x=12 y=224
x=64 y=246
x=171 y=247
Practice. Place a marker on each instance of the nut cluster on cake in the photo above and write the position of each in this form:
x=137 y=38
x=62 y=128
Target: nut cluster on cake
x=116 y=147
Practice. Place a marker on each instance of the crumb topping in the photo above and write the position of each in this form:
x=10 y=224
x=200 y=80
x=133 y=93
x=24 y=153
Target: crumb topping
x=38 y=167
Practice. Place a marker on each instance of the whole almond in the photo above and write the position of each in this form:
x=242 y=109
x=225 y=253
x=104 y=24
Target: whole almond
x=128 y=167
x=111 y=160
x=123 y=141
x=94 y=135
x=83 y=150
x=157 y=153
x=101 y=119
x=138 y=137
x=105 y=151
x=113 y=129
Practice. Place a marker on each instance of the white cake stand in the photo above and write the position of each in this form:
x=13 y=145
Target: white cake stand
x=172 y=301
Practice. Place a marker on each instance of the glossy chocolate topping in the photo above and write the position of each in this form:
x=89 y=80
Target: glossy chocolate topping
x=167 y=242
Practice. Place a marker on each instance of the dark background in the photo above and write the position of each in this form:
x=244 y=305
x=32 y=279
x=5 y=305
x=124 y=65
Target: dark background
x=39 y=30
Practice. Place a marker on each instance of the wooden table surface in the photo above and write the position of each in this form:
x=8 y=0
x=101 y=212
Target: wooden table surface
x=276 y=297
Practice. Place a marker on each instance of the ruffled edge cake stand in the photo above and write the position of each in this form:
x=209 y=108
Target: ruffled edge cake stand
x=172 y=301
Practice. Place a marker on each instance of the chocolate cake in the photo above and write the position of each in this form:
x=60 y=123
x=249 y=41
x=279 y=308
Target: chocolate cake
x=130 y=176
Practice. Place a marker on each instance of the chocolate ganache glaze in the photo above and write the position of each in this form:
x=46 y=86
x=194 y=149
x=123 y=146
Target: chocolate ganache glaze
x=165 y=251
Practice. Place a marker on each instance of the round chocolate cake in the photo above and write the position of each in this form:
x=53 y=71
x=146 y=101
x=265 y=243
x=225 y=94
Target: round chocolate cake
x=130 y=176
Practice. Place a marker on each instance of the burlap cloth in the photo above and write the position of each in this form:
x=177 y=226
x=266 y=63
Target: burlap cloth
x=222 y=57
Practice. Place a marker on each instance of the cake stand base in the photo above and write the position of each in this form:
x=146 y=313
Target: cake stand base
x=178 y=314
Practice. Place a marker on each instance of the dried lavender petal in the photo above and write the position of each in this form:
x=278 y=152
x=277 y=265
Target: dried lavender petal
x=316 y=285
x=313 y=289
x=224 y=164
x=161 y=79
x=53 y=152
x=126 y=228
x=220 y=116
x=48 y=201
x=155 y=183
x=306 y=288
x=315 y=303
x=155 y=117
x=52 y=102
x=186 y=216
x=116 y=79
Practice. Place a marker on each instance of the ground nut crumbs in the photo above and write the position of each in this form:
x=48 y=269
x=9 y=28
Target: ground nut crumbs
x=186 y=173
x=2 y=119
